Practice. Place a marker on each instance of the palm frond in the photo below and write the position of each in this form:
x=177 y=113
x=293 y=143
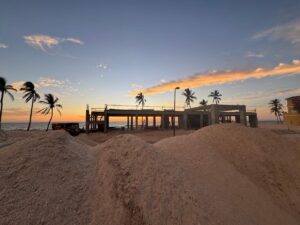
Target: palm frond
x=10 y=95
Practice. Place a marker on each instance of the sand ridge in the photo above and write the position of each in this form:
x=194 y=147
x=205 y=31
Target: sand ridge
x=223 y=174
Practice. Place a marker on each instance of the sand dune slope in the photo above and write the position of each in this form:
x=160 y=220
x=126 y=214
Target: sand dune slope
x=44 y=180
x=224 y=174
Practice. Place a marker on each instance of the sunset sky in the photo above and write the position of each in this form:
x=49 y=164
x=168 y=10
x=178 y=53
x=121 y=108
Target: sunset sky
x=103 y=52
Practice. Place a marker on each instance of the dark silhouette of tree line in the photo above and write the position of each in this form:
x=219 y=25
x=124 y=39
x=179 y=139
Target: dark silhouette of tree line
x=30 y=94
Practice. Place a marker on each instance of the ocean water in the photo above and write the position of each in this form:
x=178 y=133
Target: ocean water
x=43 y=125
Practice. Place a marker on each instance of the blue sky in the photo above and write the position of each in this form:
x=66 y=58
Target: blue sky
x=97 y=52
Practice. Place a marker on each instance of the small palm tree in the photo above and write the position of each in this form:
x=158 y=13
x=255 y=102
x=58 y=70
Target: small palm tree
x=140 y=99
x=277 y=108
x=216 y=96
x=30 y=94
x=203 y=102
x=51 y=103
x=189 y=96
x=5 y=89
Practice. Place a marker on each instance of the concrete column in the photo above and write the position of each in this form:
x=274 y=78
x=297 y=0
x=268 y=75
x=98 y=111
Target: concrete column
x=146 y=125
x=87 y=120
x=243 y=118
x=106 y=122
x=201 y=120
x=185 y=120
x=214 y=114
x=154 y=121
x=136 y=122
x=131 y=122
x=223 y=119
x=127 y=122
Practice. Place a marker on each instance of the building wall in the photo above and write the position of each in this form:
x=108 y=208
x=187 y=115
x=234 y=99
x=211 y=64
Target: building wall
x=292 y=117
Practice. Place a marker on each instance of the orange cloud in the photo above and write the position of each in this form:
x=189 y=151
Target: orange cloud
x=222 y=77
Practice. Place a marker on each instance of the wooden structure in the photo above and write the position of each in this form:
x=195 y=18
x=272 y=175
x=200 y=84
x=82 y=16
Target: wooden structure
x=193 y=118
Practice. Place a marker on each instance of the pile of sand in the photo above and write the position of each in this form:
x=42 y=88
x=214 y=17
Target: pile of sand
x=44 y=179
x=224 y=174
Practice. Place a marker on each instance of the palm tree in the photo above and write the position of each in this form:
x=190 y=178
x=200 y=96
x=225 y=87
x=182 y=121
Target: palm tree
x=5 y=89
x=140 y=99
x=216 y=96
x=30 y=94
x=51 y=103
x=277 y=108
x=203 y=103
x=189 y=96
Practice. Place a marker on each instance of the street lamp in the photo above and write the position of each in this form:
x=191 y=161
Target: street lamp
x=177 y=88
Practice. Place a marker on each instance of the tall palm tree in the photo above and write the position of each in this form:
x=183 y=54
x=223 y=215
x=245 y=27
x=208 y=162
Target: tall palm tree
x=29 y=94
x=5 y=89
x=51 y=103
x=140 y=99
x=216 y=96
x=189 y=96
x=277 y=108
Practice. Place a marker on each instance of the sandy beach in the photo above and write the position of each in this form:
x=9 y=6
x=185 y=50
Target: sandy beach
x=221 y=174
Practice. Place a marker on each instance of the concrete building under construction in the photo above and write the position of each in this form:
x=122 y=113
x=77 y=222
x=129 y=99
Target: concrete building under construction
x=192 y=118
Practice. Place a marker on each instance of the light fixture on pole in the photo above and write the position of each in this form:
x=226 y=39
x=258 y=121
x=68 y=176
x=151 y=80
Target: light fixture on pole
x=173 y=120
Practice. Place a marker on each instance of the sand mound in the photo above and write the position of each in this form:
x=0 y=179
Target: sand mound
x=3 y=136
x=44 y=181
x=223 y=174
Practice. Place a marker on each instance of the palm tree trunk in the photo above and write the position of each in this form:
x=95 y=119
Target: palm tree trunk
x=29 y=124
x=50 y=119
x=279 y=119
x=2 y=96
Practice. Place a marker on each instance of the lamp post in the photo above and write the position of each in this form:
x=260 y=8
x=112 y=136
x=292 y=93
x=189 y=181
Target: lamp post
x=177 y=88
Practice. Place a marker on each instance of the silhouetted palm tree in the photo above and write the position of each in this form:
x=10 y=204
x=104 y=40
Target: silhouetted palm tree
x=216 y=96
x=203 y=102
x=51 y=101
x=5 y=89
x=189 y=96
x=30 y=94
x=277 y=108
x=140 y=99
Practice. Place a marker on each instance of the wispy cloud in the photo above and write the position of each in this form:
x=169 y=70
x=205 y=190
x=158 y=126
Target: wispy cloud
x=289 y=32
x=260 y=95
x=45 y=42
x=42 y=82
x=222 y=77
x=102 y=66
x=3 y=45
x=254 y=55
